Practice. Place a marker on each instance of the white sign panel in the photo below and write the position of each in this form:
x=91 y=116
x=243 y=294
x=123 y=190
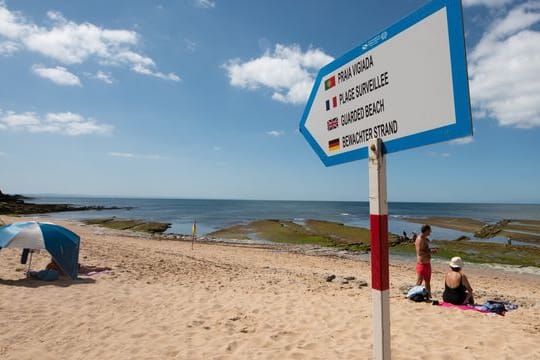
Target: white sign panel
x=408 y=86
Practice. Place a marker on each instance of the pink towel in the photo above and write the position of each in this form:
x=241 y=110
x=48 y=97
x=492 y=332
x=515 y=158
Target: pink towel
x=463 y=307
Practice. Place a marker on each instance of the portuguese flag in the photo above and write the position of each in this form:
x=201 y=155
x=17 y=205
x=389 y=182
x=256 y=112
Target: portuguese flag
x=333 y=144
x=330 y=83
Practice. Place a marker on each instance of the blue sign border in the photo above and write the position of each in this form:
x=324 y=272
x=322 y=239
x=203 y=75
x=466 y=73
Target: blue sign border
x=458 y=59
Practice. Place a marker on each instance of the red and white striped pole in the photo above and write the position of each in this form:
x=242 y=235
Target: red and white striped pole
x=380 y=279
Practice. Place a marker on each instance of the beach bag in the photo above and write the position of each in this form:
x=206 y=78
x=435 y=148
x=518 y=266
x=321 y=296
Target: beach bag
x=494 y=307
x=24 y=256
x=417 y=294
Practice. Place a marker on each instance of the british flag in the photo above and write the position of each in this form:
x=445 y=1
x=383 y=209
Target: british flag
x=332 y=124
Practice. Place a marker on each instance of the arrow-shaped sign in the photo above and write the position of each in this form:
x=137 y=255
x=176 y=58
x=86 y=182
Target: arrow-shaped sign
x=407 y=85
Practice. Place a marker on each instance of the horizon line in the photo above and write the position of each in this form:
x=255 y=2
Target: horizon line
x=252 y=199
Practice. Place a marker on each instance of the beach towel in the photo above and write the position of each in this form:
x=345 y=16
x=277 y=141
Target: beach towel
x=90 y=270
x=90 y=273
x=490 y=307
x=463 y=307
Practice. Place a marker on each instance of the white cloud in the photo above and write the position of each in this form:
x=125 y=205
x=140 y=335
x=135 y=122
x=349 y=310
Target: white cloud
x=504 y=69
x=135 y=156
x=463 y=140
x=138 y=68
x=67 y=123
x=121 y=154
x=59 y=75
x=12 y=24
x=487 y=3
x=105 y=77
x=205 y=4
x=190 y=45
x=12 y=120
x=438 y=154
x=73 y=43
x=288 y=71
x=8 y=48
x=275 y=133
x=67 y=117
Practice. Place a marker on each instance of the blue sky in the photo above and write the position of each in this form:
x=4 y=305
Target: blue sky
x=202 y=99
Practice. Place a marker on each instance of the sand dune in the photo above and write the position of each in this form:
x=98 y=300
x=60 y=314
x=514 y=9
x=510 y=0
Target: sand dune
x=163 y=300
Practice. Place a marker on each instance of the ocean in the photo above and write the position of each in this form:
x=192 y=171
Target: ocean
x=212 y=215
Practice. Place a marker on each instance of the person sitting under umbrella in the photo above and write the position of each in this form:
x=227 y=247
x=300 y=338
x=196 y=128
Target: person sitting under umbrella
x=54 y=266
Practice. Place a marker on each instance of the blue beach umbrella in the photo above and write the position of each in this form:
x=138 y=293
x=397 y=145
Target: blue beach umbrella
x=61 y=243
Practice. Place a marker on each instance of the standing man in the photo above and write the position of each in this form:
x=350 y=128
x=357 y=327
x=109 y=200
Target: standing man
x=423 y=258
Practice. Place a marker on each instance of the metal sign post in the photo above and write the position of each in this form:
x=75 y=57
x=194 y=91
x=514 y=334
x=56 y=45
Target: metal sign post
x=380 y=279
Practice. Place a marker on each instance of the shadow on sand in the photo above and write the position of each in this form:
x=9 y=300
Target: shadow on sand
x=33 y=283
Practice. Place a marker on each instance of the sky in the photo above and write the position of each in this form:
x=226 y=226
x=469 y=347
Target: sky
x=203 y=99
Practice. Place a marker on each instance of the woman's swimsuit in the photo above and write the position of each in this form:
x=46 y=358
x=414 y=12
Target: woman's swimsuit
x=457 y=295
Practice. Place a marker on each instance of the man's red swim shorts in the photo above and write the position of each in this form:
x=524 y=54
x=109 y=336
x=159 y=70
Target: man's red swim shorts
x=424 y=270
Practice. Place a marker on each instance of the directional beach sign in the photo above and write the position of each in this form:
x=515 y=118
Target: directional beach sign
x=407 y=85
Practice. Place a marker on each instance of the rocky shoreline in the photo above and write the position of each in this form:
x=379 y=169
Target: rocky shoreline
x=513 y=229
x=17 y=205
x=150 y=227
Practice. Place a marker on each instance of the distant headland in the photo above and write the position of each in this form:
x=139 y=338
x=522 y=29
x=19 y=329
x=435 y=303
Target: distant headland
x=18 y=205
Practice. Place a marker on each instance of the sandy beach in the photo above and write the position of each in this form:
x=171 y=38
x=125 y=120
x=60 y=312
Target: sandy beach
x=163 y=300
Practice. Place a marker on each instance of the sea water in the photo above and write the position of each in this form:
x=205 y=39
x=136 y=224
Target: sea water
x=212 y=215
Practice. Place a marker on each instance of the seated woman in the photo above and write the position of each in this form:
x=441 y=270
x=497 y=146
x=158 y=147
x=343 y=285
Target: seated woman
x=457 y=289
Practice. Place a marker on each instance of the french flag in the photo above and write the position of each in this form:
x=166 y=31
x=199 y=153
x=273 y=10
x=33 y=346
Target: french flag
x=331 y=103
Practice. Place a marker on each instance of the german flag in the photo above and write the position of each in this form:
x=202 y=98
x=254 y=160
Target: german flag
x=330 y=83
x=333 y=145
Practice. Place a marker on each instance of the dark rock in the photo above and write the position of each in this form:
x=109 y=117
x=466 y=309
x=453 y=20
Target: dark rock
x=330 y=278
x=11 y=198
x=362 y=283
x=349 y=278
x=488 y=231
x=15 y=205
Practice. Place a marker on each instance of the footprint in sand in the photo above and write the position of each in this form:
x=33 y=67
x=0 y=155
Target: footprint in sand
x=232 y=346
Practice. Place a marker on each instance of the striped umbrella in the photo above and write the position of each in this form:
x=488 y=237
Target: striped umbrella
x=61 y=243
